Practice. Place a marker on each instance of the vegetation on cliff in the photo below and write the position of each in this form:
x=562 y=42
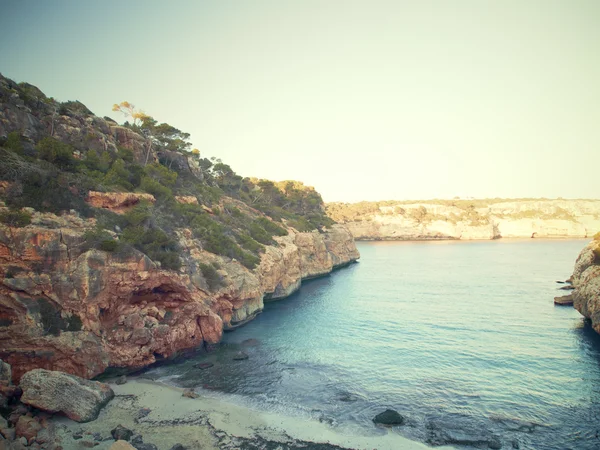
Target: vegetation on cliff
x=52 y=166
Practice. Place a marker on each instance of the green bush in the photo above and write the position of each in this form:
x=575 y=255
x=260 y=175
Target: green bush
x=13 y=142
x=101 y=240
x=155 y=188
x=213 y=279
x=56 y=152
x=15 y=218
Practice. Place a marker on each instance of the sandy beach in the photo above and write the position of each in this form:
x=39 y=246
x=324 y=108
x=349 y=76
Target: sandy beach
x=163 y=417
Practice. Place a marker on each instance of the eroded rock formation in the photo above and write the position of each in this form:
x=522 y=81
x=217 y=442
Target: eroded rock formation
x=66 y=307
x=586 y=280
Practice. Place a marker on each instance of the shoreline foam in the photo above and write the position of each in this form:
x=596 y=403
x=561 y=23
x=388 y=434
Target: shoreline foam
x=210 y=423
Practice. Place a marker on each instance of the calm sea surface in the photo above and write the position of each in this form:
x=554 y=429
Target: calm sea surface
x=462 y=338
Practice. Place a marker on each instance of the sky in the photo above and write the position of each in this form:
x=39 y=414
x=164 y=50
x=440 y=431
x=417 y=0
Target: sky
x=365 y=100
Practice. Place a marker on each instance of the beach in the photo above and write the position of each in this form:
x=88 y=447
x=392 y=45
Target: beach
x=164 y=417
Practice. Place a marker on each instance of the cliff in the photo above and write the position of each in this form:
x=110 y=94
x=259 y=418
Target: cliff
x=586 y=280
x=119 y=247
x=469 y=219
x=65 y=307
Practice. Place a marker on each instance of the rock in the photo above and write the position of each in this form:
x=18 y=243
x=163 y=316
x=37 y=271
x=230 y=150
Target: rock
x=121 y=445
x=27 y=427
x=566 y=288
x=204 y=365
x=178 y=447
x=389 y=417
x=19 y=411
x=240 y=356
x=121 y=380
x=5 y=373
x=117 y=202
x=189 y=393
x=5 y=430
x=565 y=300
x=515 y=444
x=495 y=443
x=120 y=433
x=88 y=444
x=144 y=446
x=80 y=400
x=142 y=412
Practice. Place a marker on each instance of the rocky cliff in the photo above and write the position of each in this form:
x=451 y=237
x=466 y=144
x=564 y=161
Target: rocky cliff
x=586 y=280
x=69 y=308
x=119 y=247
x=465 y=219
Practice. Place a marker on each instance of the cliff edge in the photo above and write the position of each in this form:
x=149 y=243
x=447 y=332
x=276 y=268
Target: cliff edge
x=586 y=280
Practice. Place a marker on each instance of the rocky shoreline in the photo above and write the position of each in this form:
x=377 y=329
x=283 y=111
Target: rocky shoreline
x=139 y=414
x=586 y=283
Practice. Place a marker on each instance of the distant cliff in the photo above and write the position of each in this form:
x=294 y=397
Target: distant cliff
x=469 y=219
x=586 y=280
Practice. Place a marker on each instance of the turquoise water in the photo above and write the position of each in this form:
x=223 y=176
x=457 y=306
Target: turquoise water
x=462 y=338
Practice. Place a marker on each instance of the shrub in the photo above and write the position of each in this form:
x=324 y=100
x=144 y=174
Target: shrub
x=15 y=218
x=13 y=142
x=101 y=240
x=155 y=188
x=597 y=236
x=56 y=152
x=210 y=274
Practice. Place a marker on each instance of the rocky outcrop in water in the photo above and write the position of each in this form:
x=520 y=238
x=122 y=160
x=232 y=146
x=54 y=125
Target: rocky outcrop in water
x=66 y=307
x=586 y=280
x=468 y=220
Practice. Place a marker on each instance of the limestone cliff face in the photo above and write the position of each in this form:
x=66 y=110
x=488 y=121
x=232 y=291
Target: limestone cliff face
x=586 y=280
x=65 y=307
x=481 y=220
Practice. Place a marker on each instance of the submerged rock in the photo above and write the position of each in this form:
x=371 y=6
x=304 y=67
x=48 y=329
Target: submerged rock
x=80 y=400
x=389 y=417
x=204 y=365
x=240 y=356
x=121 y=380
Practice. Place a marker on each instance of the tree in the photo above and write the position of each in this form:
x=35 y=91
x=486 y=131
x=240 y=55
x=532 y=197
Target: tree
x=128 y=110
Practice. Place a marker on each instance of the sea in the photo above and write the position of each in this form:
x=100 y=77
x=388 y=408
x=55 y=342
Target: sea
x=460 y=337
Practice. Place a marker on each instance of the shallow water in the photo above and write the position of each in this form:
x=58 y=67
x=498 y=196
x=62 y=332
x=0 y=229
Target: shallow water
x=462 y=338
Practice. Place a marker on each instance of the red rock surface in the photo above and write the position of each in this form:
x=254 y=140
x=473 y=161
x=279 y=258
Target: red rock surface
x=117 y=202
x=80 y=311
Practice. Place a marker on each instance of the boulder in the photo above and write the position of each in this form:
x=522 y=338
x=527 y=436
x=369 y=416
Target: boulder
x=389 y=417
x=121 y=380
x=5 y=373
x=120 y=433
x=121 y=445
x=80 y=400
x=27 y=427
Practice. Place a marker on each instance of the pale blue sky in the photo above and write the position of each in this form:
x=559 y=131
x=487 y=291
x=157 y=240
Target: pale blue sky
x=368 y=100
